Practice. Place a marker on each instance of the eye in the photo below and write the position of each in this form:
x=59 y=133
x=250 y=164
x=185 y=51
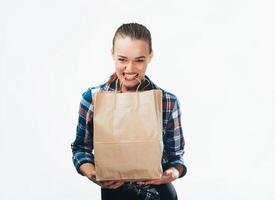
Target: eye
x=121 y=59
x=139 y=61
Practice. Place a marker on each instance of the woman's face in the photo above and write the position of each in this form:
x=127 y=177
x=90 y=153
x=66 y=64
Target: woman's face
x=131 y=57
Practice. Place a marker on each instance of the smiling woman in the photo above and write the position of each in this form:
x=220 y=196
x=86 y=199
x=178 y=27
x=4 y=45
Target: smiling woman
x=132 y=52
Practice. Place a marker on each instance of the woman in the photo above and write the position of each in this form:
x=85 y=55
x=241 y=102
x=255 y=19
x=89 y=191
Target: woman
x=131 y=52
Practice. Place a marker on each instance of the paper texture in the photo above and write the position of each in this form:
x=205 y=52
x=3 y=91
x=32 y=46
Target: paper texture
x=128 y=135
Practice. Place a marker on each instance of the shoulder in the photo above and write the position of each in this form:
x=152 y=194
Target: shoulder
x=169 y=100
x=89 y=93
x=165 y=94
x=168 y=96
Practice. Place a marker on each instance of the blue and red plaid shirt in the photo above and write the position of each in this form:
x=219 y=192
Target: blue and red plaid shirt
x=173 y=140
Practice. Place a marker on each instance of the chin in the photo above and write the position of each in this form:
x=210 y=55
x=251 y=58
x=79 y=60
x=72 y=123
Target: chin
x=130 y=86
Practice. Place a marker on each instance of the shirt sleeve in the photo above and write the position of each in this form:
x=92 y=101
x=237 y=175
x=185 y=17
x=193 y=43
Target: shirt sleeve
x=174 y=142
x=82 y=146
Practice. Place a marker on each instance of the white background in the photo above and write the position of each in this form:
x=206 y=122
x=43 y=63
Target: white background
x=216 y=56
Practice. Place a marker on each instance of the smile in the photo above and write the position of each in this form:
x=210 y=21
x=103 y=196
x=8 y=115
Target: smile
x=129 y=76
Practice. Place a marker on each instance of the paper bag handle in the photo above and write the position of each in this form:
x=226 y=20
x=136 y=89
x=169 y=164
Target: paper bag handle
x=137 y=96
x=138 y=78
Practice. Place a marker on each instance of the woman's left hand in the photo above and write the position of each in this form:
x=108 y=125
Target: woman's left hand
x=168 y=176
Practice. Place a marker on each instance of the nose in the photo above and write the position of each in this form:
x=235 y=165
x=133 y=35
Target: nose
x=129 y=67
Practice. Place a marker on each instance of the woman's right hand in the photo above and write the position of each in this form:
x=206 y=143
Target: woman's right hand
x=88 y=169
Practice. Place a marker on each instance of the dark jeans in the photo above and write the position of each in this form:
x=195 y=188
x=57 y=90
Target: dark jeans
x=166 y=191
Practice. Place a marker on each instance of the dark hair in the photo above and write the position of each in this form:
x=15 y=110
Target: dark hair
x=134 y=31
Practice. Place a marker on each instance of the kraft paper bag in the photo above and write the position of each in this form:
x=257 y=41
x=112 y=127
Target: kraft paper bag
x=128 y=135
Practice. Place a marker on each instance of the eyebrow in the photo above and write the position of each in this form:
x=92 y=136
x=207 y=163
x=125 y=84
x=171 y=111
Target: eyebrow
x=135 y=58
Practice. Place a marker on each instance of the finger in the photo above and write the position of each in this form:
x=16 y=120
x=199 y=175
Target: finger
x=98 y=183
x=143 y=182
x=116 y=185
x=167 y=173
x=93 y=172
x=112 y=186
x=107 y=183
x=155 y=182
x=162 y=180
x=172 y=175
x=149 y=182
x=92 y=176
x=146 y=182
x=102 y=183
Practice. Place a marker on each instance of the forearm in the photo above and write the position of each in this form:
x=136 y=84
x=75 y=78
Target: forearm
x=81 y=157
x=179 y=168
x=82 y=146
x=174 y=143
x=175 y=162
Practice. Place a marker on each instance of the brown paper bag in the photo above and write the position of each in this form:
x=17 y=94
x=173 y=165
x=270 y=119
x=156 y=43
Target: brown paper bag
x=128 y=135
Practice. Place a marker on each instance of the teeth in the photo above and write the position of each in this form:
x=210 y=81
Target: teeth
x=130 y=76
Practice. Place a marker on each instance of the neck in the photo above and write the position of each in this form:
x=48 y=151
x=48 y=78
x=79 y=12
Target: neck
x=125 y=89
x=122 y=88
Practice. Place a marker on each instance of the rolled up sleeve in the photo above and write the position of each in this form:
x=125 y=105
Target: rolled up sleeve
x=82 y=146
x=174 y=141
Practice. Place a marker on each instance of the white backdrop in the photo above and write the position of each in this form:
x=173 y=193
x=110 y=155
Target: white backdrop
x=216 y=56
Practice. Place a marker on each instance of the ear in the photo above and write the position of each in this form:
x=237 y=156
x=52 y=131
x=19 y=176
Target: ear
x=112 y=53
x=150 y=56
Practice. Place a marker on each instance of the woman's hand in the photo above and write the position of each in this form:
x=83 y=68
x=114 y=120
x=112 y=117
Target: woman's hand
x=111 y=184
x=105 y=184
x=168 y=176
x=88 y=170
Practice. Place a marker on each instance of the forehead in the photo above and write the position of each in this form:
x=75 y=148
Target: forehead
x=130 y=47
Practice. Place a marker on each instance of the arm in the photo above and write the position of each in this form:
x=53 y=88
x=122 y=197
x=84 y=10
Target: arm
x=174 y=141
x=83 y=144
x=173 y=147
x=82 y=147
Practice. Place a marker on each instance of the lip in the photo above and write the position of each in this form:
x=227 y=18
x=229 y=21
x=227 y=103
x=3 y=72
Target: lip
x=124 y=73
x=130 y=76
x=129 y=79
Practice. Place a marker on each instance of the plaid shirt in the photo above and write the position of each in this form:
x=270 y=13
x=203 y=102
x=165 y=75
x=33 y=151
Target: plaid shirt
x=82 y=147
